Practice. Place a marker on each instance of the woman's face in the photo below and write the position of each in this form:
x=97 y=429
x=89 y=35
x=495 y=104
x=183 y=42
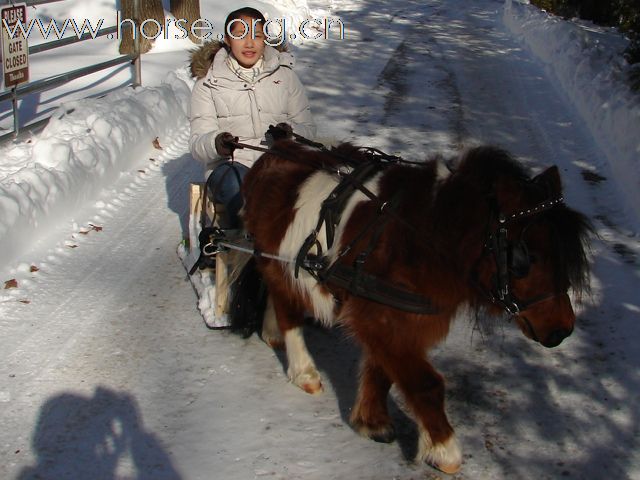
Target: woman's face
x=246 y=40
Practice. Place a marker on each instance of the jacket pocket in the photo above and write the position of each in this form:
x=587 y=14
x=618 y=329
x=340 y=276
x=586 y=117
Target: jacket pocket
x=222 y=109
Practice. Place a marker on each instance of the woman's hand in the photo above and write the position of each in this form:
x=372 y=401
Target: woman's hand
x=224 y=144
x=280 y=132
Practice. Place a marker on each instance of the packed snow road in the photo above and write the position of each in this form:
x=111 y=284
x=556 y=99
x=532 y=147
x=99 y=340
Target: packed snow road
x=109 y=372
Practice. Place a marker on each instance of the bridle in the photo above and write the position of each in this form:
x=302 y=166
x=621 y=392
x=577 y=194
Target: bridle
x=511 y=259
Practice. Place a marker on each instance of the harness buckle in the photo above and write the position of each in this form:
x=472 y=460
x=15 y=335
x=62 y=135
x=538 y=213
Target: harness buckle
x=503 y=293
x=314 y=264
x=512 y=308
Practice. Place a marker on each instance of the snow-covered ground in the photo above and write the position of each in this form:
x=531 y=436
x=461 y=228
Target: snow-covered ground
x=108 y=370
x=585 y=62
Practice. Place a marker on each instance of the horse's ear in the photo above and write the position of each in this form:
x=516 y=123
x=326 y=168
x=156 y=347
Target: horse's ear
x=550 y=179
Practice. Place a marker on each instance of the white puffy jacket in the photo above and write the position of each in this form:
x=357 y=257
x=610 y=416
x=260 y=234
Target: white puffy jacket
x=221 y=101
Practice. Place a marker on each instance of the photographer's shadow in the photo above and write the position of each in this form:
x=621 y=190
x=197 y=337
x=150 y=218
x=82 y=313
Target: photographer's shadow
x=101 y=437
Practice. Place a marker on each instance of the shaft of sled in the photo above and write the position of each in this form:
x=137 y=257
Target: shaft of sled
x=255 y=253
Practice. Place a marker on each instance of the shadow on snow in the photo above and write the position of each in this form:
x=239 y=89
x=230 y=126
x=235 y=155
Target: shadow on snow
x=101 y=436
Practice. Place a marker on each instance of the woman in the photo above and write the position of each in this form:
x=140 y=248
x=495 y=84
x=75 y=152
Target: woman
x=243 y=87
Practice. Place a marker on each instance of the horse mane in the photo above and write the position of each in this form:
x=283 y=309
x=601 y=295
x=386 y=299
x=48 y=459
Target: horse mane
x=570 y=234
x=486 y=166
x=482 y=166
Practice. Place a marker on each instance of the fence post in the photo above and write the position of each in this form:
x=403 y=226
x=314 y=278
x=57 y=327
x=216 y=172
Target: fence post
x=14 y=105
x=14 y=94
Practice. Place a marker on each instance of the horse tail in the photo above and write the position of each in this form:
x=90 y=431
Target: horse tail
x=248 y=299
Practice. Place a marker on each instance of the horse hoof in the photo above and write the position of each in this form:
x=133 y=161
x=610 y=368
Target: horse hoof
x=274 y=343
x=313 y=388
x=448 y=469
x=382 y=433
x=271 y=334
x=273 y=338
x=309 y=381
x=384 y=437
x=446 y=456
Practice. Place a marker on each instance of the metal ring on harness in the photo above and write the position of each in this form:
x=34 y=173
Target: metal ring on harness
x=210 y=249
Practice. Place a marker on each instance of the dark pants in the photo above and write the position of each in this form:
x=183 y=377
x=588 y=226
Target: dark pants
x=223 y=187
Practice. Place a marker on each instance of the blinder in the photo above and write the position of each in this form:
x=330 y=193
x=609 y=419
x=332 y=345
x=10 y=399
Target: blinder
x=519 y=259
x=512 y=259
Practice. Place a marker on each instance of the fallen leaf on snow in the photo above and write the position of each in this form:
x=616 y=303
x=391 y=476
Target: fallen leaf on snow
x=156 y=143
x=92 y=228
x=13 y=283
x=34 y=269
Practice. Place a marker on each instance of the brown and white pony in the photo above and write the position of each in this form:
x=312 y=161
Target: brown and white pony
x=486 y=235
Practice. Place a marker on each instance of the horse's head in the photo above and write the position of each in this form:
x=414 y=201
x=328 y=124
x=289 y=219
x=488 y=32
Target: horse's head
x=534 y=254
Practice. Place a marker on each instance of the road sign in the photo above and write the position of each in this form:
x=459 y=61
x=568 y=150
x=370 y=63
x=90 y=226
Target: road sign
x=15 y=51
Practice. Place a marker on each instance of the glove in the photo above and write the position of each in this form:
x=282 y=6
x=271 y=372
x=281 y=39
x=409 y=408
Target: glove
x=224 y=144
x=280 y=132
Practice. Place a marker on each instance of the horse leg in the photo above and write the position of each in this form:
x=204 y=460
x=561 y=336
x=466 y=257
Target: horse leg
x=290 y=317
x=370 y=417
x=423 y=389
x=270 y=330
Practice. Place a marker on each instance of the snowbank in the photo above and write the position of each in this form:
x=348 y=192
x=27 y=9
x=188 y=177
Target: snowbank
x=85 y=147
x=587 y=63
x=89 y=143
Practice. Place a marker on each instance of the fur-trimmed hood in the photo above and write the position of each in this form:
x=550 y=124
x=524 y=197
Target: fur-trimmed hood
x=202 y=57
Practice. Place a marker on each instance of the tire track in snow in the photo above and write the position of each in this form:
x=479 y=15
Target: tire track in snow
x=111 y=322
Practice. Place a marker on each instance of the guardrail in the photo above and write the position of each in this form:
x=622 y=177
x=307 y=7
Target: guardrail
x=54 y=81
x=30 y=3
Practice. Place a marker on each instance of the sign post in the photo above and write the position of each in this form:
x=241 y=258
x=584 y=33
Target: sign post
x=15 y=51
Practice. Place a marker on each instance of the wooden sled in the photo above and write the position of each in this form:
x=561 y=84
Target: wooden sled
x=212 y=285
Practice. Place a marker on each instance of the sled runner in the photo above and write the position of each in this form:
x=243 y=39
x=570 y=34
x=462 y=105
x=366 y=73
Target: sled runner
x=210 y=255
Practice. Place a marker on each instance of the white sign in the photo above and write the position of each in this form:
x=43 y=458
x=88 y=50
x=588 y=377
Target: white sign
x=15 y=50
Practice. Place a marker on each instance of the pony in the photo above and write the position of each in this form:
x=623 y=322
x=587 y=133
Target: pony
x=391 y=250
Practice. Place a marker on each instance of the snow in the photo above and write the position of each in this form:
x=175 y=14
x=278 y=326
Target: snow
x=586 y=63
x=84 y=148
x=108 y=370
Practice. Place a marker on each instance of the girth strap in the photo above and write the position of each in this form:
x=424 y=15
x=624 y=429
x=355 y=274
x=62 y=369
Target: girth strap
x=373 y=288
